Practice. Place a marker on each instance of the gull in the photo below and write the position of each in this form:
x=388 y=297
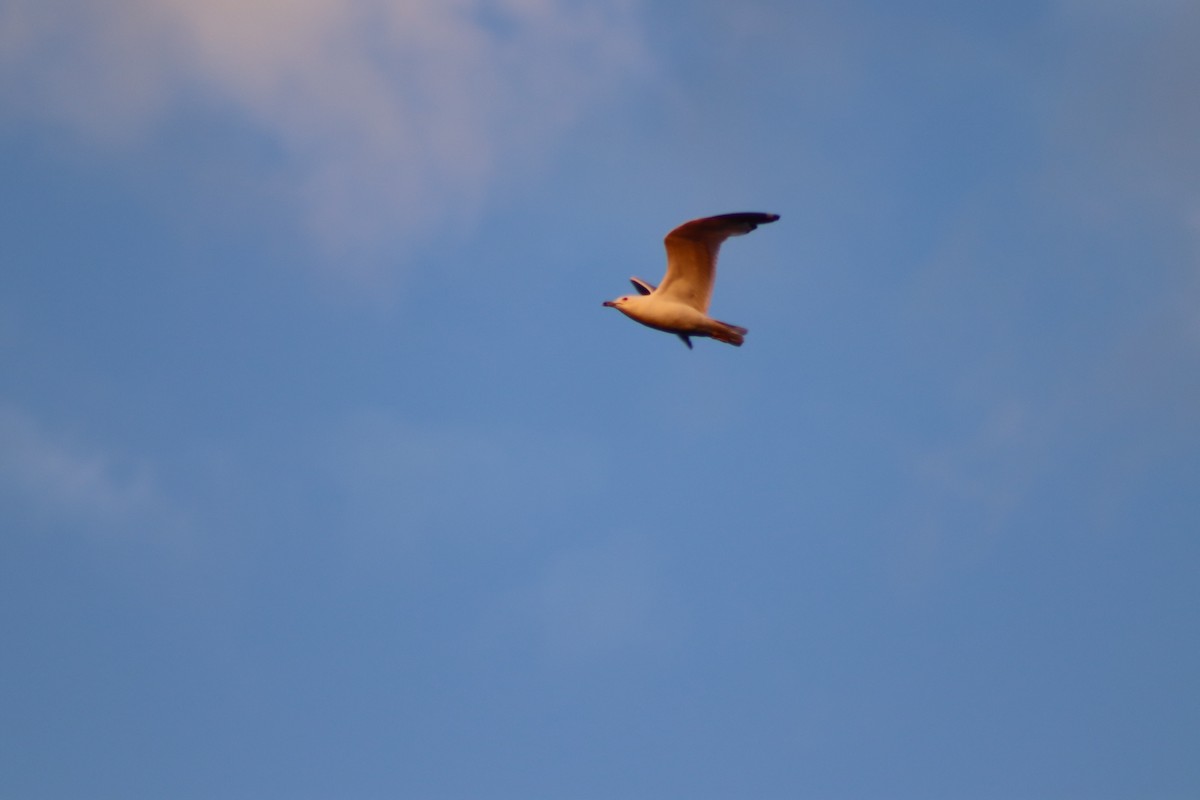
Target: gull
x=679 y=305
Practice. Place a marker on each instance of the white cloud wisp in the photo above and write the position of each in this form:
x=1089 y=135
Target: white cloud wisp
x=62 y=482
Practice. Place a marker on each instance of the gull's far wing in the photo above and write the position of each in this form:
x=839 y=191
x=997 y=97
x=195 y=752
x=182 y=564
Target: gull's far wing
x=643 y=287
x=692 y=255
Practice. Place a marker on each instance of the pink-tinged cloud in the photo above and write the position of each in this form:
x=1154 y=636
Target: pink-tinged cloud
x=387 y=115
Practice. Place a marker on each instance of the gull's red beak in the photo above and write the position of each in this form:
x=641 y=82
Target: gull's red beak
x=609 y=304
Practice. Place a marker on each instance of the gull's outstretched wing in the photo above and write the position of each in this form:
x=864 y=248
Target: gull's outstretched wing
x=692 y=255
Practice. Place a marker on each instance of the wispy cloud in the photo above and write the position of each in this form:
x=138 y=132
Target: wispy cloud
x=55 y=480
x=1123 y=108
x=388 y=115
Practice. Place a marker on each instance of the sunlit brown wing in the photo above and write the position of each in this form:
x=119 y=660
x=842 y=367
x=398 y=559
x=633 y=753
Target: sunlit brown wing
x=692 y=255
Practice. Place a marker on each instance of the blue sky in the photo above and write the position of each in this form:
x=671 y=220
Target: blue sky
x=324 y=474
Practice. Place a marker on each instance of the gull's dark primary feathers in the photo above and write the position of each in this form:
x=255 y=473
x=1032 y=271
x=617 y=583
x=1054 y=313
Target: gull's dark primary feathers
x=643 y=287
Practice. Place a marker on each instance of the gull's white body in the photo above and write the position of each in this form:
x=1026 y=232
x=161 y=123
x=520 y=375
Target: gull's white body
x=680 y=304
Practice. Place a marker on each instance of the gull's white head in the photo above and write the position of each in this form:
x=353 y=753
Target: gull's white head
x=619 y=302
x=631 y=305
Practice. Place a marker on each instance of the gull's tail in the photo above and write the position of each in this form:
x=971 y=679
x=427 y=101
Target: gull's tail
x=730 y=334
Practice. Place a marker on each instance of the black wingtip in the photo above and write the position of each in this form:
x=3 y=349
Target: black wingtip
x=751 y=219
x=686 y=340
x=643 y=287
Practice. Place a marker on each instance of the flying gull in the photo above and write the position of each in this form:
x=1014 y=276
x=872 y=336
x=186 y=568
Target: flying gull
x=680 y=304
